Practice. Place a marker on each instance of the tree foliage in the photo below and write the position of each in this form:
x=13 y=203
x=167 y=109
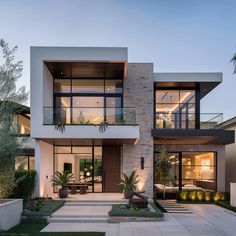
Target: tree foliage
x=10 y=98
x=234 y=62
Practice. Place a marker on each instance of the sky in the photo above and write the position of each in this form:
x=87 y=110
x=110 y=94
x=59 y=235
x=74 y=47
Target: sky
x=177 y=36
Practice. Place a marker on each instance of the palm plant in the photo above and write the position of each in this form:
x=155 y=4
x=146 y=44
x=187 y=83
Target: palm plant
x=128 y=184
x=234 y=62
x=62 y=179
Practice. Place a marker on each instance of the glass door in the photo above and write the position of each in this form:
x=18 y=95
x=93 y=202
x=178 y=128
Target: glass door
x=173 y=177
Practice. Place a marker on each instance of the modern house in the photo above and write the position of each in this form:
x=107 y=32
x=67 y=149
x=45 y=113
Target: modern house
x=230 y=151
x=146 y=112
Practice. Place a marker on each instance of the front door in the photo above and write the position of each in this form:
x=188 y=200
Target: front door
x=111 y=168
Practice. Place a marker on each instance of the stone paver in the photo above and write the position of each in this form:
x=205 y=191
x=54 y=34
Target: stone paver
x=83 y=210
x=206 y=220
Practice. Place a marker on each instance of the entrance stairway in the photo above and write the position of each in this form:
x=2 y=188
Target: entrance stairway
x=84 y=211
x=171 y=206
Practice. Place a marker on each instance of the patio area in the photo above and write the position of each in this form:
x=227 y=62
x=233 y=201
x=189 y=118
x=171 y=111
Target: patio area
x=95 y=197
x=208 y=220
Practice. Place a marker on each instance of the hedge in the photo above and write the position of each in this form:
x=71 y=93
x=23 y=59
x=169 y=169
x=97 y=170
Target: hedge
x=25 y=184
x=201 y=196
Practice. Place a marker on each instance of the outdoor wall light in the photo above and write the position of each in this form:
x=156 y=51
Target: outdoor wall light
x=142 y=163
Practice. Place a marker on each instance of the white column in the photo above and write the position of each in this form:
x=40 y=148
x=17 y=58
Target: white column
x=44 y=168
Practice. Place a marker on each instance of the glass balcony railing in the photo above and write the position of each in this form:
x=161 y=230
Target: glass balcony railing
x=89 y=115
x=187 y=120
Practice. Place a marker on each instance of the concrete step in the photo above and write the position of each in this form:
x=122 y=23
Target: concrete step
x=78 y=216
x=179 y=212
x=78 y=220
x=171 y=206
x=91 y=203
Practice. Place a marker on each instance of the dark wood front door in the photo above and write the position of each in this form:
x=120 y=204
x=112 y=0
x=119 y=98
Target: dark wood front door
x=111 y=168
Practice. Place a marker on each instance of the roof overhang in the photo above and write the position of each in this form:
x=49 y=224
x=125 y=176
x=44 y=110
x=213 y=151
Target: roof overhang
x=193 y=136
x=204 y=81
x=56 y=57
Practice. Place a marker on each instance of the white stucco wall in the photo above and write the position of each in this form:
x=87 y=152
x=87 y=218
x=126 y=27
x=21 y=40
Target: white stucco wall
x=10 y=213
x=44 y=168
x=230 y=151
x=41 y=82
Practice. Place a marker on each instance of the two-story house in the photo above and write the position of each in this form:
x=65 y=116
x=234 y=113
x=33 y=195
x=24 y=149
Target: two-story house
x=83 y=87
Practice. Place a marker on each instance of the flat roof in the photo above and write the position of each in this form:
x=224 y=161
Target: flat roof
x=205 y=81
x=104 y=54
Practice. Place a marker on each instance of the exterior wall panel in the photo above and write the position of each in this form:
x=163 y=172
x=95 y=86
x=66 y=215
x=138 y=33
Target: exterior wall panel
x=138 y=93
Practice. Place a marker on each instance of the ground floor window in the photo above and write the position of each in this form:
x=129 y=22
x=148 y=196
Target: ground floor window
x=85 y=162
x=25 y=163
x=97 y=167
x=189 y=171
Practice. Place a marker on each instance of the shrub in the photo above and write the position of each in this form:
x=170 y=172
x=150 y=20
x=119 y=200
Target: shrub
x=192 y=195
x=183 y=195
x=222 y=196
x=208 y=196
x=200 y=195
x=216 y=196
x=25 y=184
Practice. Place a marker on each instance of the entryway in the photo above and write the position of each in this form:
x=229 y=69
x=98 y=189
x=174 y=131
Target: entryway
x=98 y=167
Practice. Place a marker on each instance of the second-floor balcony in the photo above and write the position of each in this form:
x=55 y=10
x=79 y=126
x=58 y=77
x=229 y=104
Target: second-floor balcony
x=89 y=115
x=170 y=120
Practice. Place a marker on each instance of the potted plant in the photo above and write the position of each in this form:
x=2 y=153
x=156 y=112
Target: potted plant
x=62 y=179
x=128 y=184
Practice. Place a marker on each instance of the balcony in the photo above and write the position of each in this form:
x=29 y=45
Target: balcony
x=189 y=128
x=89 y=115
x=188 y=120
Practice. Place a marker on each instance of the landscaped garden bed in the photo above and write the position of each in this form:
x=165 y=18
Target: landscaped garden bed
x=126 y=212
x=200 y=197
x=39 y=210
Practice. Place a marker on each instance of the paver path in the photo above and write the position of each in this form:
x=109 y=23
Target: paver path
x=206 y=220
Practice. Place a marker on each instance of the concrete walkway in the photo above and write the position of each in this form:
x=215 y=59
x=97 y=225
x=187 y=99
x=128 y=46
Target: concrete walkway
x=206 y=220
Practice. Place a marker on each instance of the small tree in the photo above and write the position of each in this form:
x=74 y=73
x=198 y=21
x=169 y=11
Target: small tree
x=10 y=98
x=163 y=166
x=234 y=62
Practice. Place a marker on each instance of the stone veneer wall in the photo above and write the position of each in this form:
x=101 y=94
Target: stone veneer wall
x=219 y=149
x=138 y=93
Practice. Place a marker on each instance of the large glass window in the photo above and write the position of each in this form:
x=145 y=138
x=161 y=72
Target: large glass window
x=62 y=85
x=173 y=179
x=88 y=101
x=24 y=162
x=197 y=172
x=113 y=86
x=175 y=109
x=85 y=162
x=88 y=110
x=87 y=86
x=199 y=169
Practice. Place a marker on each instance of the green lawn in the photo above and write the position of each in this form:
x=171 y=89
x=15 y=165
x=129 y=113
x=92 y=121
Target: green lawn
x=25 y=229
x=39 y=210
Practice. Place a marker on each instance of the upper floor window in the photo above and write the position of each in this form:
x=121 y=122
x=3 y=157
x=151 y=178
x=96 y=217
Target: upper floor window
x=83 y=86
x=175 y=109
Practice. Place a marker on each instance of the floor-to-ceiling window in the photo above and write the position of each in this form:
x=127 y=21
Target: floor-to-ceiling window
x=85 y=162
x=87 y=92
x=189 y=171
x=175 y=109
